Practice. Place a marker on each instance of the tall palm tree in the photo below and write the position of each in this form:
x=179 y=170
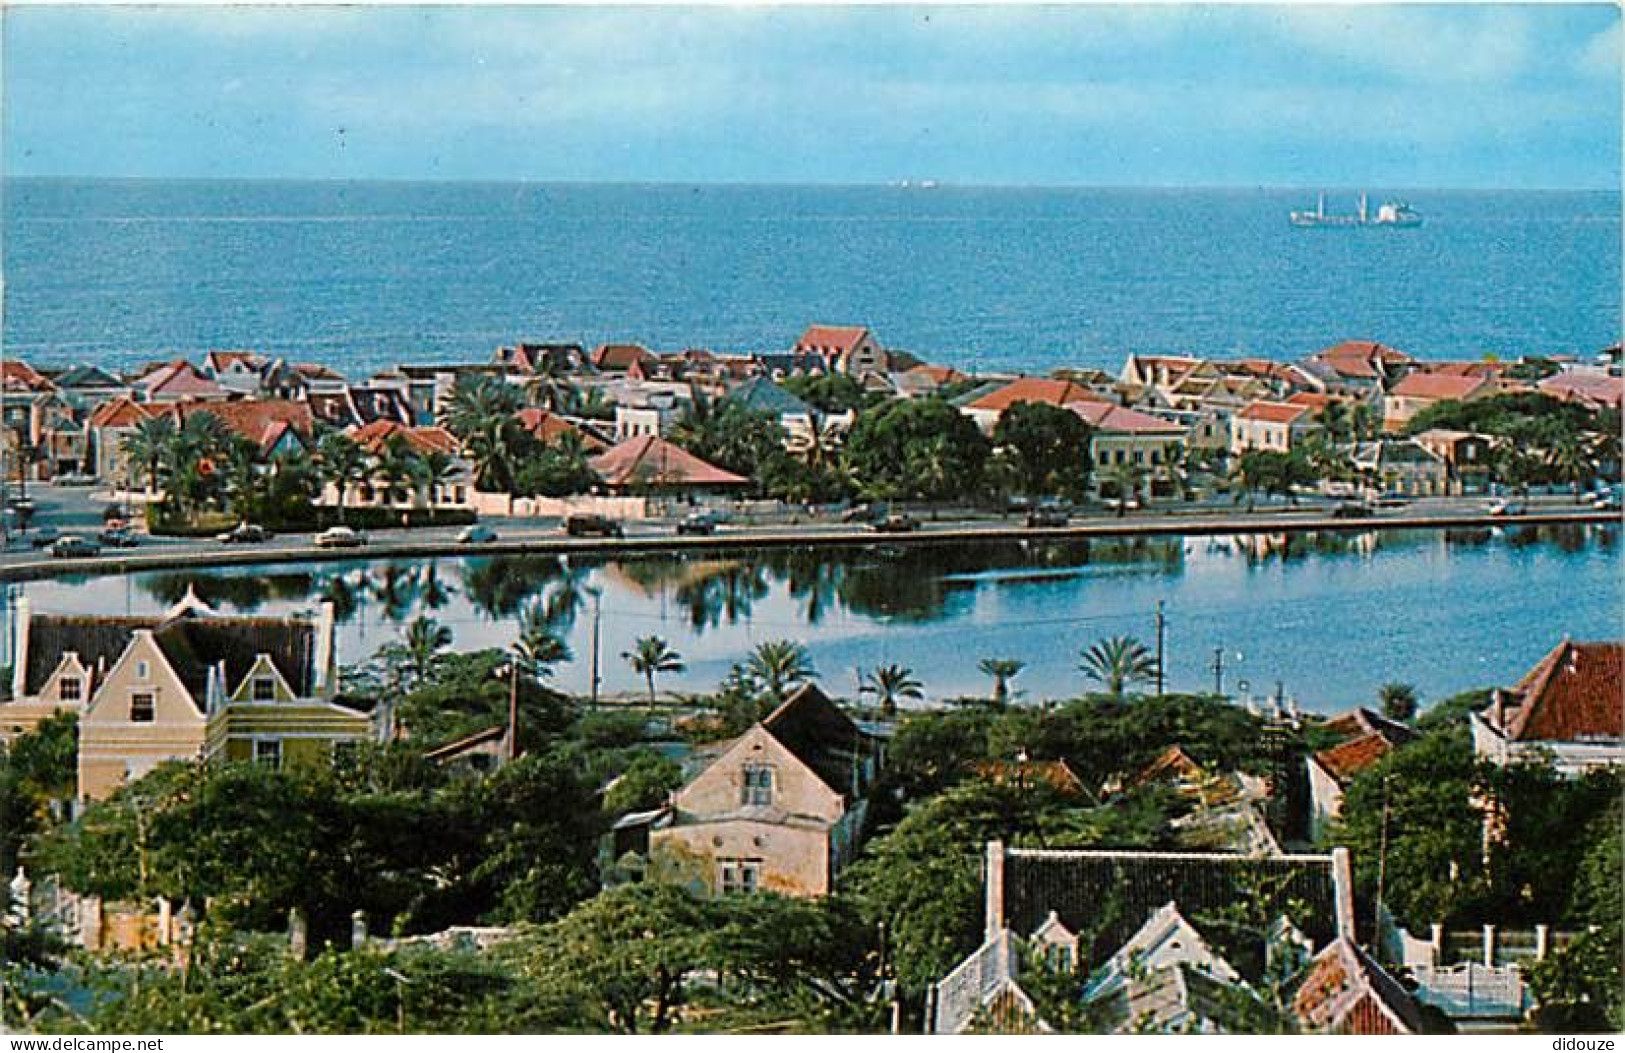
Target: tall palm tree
x=149 y=445
x=1570 y=462
x=1335 y=419
x=437 y=469
x=1118 y=661
x=425 y=639
x=342 y=462
x=779 y=665
x=651 y=655
x=548 y=385
x=398 y=469
x=240 y=474
x=889 y=684
x=1002 y=670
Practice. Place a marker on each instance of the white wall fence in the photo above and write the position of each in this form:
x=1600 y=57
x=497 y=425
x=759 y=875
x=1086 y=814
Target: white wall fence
x=1469 y=973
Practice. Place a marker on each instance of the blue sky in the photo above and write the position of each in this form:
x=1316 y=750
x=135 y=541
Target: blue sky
x=1415 y=96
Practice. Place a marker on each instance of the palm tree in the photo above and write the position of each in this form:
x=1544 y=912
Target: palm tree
x=1398 y=701
x=1335 y=419
x=779 y=665
x=1125 y=479
x=341 y=462
x=1570 y=462
x=241 y=474
x=889 y=683
x=425 y=639
x=398 y=468
x=149 y=445
x=1002 y=670
x=1118 y=661
x=651 y=655
x=438 y=469
x=537 y=645
x=1513 y=465
x=547 y=386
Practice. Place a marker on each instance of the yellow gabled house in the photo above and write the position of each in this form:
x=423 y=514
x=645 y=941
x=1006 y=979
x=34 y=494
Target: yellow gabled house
x=187 y=685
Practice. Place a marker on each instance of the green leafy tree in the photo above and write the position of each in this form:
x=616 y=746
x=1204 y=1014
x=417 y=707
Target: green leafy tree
x=1398 y=701
x=646 y=783
x=149 y=445
x=651 y=656
x=917 y=448
x=425 y=639
x=1117 y=662
x=1047 y=448
x=341 y=462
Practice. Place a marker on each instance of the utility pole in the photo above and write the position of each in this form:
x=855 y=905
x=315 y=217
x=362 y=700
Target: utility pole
x=592 y=684
x=1161 y=626
x=1218 y=670
x=1382 y=862
x=513 y=708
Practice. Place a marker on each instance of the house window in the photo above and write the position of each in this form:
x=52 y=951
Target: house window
x=143 y=709
x=143 y=671
x=758 y=785
x=268 y=752
x=264 y=689
x=739 y=875
x=70 y=688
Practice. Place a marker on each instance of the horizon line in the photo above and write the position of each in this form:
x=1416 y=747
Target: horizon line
x=913 y=183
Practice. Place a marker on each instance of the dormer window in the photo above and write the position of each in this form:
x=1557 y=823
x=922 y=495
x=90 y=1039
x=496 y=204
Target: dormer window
x=71 y=689
x=263 y=689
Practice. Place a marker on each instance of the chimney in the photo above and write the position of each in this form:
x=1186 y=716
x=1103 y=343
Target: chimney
x=993 y=884
x=322 y=657
x=19 y=658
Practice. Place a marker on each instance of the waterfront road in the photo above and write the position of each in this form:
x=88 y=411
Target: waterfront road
x=75 y=512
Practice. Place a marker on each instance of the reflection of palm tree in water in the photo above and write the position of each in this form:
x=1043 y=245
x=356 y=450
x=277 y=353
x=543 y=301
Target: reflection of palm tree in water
x=726 y=596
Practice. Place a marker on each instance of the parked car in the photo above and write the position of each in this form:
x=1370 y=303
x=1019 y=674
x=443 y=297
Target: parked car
x=119 y=537
x=74 y=479
x=698 y=524
x=245 y=534
x=1353 y=510
x=46 y=536
x=1392 y=501
x=478 y=534
x=587 y=525
x=1606 y=503
x=1118 y=504
x=1505 y=508
x=1047 y=516
x=71 y=546
x=339 y=537
x=859 y=513
x=896 y=523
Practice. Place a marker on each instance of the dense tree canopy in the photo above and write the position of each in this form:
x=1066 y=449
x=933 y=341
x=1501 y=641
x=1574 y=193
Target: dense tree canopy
x=1046 y=448
x=920 y=448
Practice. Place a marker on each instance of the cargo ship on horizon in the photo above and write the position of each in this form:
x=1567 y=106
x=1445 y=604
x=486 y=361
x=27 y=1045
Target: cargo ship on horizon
x=1389 y=214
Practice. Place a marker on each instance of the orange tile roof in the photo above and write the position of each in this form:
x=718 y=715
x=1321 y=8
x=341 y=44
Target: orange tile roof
x=253 y=419
x=1440 y=386
x=1345 y=761
x=831 y=339
x=653 y=461
x=615 y=358
x=1035 y=389
x=1057 y=774
x=15 y=374
x=1357 y=358
x=371 y=437
x=1585 y=387
x=179 y=377
x=1273 y=412
x=122 y=412
x=938 y=374
x=1313 y=399
x=546 y=426
x=1573 y=693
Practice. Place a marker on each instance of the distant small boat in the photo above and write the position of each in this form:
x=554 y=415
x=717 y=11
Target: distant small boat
x=1395 y=214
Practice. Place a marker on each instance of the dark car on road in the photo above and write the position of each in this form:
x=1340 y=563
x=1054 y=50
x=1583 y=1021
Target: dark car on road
x=698 y=524
x=1047 y=516
x=1353 y=510
x=71 y=546
x=245 y=534
x=119 y=537
x=592 y=526
x=478 y=534
x=896 y=523
x=45 y=537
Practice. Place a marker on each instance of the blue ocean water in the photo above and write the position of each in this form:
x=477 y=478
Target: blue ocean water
x=363 y=275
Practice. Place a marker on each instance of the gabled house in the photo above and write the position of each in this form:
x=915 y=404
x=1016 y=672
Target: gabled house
x=90 y=384
x=189 y=684
x=452 y=492
x=849 y=349
x=528 y=359
x=1568 y=711
x=177 y=381
x=1362 y=368
x=1077 y=906
x=780 y=808
x=237 y=371
x=548 y=427
x=1402 y=466
x=1420 y=390
x=1596 y=388
x=1345 y=992
x=1364 y=739
x=618 y=358
x=1466 y=457
x=1276 y=427
x=1122 y=436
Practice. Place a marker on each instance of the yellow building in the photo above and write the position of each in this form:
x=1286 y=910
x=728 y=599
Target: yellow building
x=189 y=684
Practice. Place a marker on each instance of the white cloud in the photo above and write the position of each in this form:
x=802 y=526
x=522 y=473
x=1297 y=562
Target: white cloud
x=1449 y=44
x=1601 y=55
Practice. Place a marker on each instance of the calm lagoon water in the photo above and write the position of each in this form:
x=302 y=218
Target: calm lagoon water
x=1331 y=616
x=364 y=275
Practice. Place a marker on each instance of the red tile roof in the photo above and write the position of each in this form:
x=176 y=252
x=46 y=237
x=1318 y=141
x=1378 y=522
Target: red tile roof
x=1351 y=758
x=371 y=437
x=1035 y=389
x=122 y=412
x=617 y=358
x=253 y=419
x=652 y=461
x=219 y=361
x=1358 y=358
x=936 y=374
x=831 y=339
x=1110 y=417
x=1574 y=693
x=1273 y=412
x=1313 y=399
x=1594 y=388
x=1439 y=386
x=16 y=374
x=1057 y=774
x=1468 y=369
x=1346 y=992
x=546 y=426
x=178 y=379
